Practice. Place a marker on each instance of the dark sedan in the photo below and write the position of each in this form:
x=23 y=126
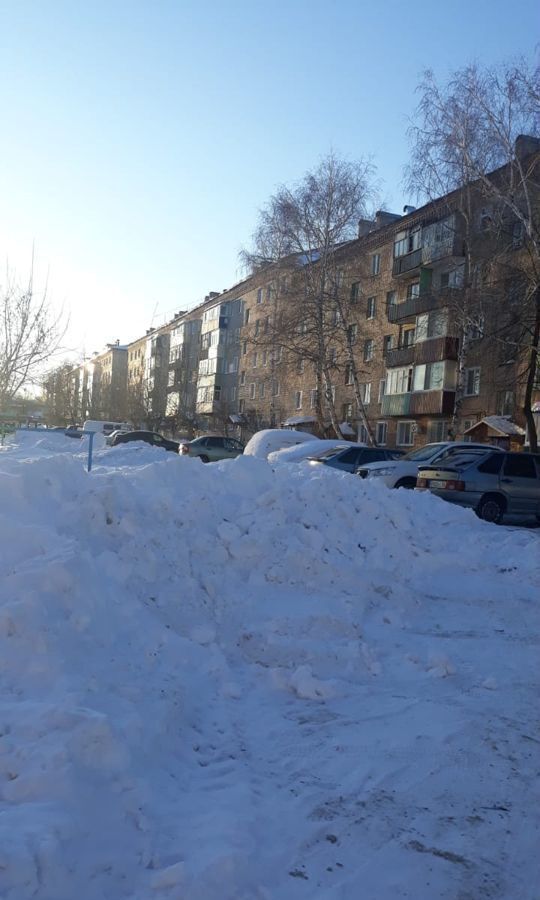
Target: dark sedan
x=350 y=458
x=149 y=437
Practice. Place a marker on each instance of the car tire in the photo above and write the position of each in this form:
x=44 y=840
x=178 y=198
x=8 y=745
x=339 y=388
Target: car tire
x=491 y=509
x=408 y=483
x=203 y=458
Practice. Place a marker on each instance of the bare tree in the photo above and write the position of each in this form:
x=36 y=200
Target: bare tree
x=479 y=133
x=304 y=228
x=31 y=332
x=60 y=395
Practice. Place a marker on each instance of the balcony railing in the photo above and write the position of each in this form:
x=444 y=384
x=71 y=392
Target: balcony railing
x=403 y=265
x=400 y=356
x=435 y=350
x=425 y=302
x=395 y=404
x=432 y=402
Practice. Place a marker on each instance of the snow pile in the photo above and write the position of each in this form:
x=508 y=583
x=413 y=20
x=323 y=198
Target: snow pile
x=232 y=683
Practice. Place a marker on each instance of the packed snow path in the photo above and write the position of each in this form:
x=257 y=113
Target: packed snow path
x=226 y=682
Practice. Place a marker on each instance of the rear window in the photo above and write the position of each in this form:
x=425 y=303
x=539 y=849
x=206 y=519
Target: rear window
x=492 y=465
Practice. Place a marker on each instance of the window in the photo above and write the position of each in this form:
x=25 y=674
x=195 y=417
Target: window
x=382 y=387
x=363 y=435
x=388 y=343
x=474 y=331
x=313 y=394
x=391 y=300
x=252 y=391
x=241 y=406
x=257 y=326
x=260 y=295
x=269 y=290
x=365 y=392
x=429 y=377
x=355 y=292
x=471 y=384
x=330 y=394
x=246 y=316
x=406 y=242
x=368 y=350
x=371 y=308
x=438 y=431
x=349 y=374
x=255 y=359
x=243 y=376
x=381 y=432
x=352 y=332
x=405 y=434
x=267 y=324
x=407 y=335
x=300 y=366
x=505 y=403
x=376 y=264
x=217 y=392
x=298 y=399
x=261 y=390
x=244 y=348
x=275 y=389
x=399 y=381
x=332 y=356
x=265 y=358
x=233 y=393
x=347 y=412
x=520 y=465
x=413 y=290
x=492 y=465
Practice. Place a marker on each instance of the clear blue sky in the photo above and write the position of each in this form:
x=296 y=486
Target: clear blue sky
x=138 y=139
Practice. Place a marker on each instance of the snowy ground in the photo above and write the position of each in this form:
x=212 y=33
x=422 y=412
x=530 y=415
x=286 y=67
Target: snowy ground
x=226 y=682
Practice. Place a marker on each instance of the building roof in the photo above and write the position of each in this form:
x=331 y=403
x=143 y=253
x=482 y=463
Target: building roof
x=501 y=424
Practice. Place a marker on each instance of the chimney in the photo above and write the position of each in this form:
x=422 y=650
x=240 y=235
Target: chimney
x=365 y=226
x=384 y=218
x=407 y=210
x=213 y=294
x=525 y=145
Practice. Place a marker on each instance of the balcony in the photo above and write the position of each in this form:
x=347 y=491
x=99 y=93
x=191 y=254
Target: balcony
x=435 y=350
x=432 y=403
x=396 y=404
x=405 y=265
x=427 y=301
x=400 y=356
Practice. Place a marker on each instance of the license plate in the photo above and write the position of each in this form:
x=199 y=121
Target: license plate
x=437 y=484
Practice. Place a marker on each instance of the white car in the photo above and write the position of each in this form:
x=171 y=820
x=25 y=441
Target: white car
x=403 y=472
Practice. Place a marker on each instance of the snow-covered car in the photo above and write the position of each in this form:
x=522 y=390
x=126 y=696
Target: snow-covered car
x=404 y=471
x=350 y=458
x=147 y=437
x=300 y=452
x=271 y=439
x=211 y=448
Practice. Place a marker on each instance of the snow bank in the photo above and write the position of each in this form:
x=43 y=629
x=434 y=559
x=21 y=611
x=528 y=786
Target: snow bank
x=232 y=682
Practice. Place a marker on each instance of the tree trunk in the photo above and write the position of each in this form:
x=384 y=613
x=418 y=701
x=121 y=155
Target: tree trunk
x=531 y=378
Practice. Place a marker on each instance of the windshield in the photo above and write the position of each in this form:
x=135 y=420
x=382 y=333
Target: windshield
x=328 y=453
x=423 y=452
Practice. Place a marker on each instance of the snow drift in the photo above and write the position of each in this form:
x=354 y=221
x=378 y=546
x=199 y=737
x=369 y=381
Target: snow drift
x=226 y=682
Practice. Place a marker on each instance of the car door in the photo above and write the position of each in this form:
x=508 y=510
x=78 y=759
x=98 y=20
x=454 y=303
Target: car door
x=520 y=483
x=371 y=455
x=214 y=448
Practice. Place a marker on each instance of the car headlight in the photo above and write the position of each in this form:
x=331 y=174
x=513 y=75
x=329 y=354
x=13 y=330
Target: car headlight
x=374 y=472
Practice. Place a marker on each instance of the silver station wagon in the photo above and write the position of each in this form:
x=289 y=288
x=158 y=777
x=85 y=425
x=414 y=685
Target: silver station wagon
x=493 y=484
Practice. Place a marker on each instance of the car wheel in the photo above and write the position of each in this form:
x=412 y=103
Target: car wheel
x=491 y=509
x=203 y=458
x=409 y=483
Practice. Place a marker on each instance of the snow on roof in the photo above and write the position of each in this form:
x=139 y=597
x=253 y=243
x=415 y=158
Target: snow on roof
x=300 y=420
x=501 y=424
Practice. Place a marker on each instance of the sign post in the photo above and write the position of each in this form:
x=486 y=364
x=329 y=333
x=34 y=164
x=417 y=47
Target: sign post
x=90 y=449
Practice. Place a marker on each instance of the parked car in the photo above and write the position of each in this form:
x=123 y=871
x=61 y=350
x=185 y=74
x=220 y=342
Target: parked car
x=349 y=458
x=270 y=440
x=211 y=448
x=403 y=472
x=493 y=484
x=106 y=427
x=73 y=431
x=149 y=437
